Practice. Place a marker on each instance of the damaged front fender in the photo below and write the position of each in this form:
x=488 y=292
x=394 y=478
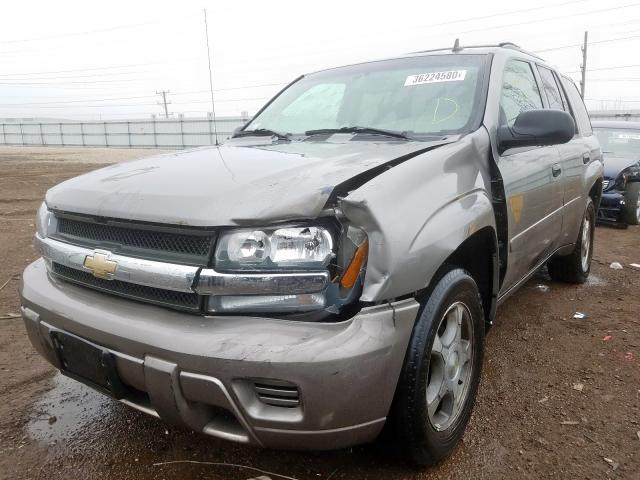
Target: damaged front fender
x=418 y=213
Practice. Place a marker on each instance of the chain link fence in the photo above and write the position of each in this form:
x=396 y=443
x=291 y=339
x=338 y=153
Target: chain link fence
x=174 y=133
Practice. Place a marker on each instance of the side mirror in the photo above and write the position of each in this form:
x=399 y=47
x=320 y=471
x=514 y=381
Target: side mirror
x=537 y=128
x=236 y=130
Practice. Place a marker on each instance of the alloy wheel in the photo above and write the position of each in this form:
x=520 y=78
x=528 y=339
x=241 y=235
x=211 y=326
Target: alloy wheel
x=586 y=242
x=450 y=366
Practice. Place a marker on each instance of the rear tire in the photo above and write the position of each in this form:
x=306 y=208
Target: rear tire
x=631 y=210
x=439 y=380
x=575 y=267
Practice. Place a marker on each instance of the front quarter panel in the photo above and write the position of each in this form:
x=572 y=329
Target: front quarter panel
x=417 y=213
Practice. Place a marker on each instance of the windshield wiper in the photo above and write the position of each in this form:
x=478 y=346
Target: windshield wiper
x=262 y=132
x=356 y=129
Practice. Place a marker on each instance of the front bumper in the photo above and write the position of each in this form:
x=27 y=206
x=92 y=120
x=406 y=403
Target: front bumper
x=611 y=206
x=200 y=371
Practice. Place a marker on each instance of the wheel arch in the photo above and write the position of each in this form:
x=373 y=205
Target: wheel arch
x=478 y=255
x=595 y=192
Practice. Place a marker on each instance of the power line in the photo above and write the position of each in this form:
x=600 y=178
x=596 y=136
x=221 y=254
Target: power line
x=132 y=89
x=97 y=69
x=90 y=32
x=609 y=40
x=611 y=100
x=637 y=79
x=64 y=77
x=502 y=14
x=71 y=82
x=83 y=106
x=193 y=92
x=79 y=101
x=163 y=93
x=556 y=17
x=616 y=67
x=612 y=24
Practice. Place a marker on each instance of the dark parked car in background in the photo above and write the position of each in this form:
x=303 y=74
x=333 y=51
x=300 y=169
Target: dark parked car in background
x=620 y=143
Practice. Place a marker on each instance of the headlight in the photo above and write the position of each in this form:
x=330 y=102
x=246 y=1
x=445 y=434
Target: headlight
x=299 y=248
x=276 y=265
x=631 y=173
x=44 y=221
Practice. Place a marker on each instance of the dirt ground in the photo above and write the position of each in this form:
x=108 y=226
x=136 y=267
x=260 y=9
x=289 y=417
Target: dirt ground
x=559 y=398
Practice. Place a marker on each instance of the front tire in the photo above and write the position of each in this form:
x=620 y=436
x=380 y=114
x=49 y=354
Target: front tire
x=631 y=210
x=575 y=267
x=439 y=380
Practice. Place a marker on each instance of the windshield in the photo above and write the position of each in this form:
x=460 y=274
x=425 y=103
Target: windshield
x=621 y=142
x=428 y=95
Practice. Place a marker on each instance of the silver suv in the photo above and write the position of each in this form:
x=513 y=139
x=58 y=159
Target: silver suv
x=335 y=265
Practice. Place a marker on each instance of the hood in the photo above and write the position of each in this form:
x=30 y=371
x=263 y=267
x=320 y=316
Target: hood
x=613 y=165
x=233 y=184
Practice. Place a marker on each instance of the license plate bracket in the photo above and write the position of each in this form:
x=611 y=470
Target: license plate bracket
x=88 y=363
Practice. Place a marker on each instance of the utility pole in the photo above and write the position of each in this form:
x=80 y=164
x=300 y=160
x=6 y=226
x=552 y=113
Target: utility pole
x=164 y=102
x=213 y=105
x=583 y=67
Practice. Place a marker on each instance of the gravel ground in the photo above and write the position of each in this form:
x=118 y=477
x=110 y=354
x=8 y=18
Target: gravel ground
x=559 y=398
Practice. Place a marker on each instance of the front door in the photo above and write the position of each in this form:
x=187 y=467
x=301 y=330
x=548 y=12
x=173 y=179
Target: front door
x=532 y=180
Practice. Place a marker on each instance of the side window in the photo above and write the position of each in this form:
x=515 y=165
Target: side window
x=551 y=89
x=519 y=91
x=578 y=108
x=565 y=102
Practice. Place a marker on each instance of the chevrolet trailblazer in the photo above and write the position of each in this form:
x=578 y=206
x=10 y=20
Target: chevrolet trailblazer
x=332 y=267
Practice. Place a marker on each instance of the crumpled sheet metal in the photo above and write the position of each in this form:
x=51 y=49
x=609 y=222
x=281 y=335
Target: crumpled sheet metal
x=417 y=213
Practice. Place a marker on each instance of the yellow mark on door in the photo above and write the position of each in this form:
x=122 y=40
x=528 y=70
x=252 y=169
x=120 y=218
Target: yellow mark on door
x=516 y=202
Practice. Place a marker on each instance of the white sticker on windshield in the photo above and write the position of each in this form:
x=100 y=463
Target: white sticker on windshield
x=435 y=77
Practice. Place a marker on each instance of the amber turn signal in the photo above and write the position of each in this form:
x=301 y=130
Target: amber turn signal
x=353 y=270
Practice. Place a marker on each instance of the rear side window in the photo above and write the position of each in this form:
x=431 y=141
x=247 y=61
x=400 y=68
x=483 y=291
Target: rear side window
x=578 y=108
x=551 y=89
x=520 y=91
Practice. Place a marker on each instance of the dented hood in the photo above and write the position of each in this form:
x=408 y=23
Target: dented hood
x=233 y=184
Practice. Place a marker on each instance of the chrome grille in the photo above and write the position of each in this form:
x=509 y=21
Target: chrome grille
x=158 y=296
x=605 y=184
x=191 y=247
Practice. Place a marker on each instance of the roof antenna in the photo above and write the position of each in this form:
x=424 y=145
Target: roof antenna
x=456 y=46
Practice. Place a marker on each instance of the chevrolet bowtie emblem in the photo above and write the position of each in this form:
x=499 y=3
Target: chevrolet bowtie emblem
x=100 y=265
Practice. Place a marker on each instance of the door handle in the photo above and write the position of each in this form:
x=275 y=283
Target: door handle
x=556 y=170
x=586 y=158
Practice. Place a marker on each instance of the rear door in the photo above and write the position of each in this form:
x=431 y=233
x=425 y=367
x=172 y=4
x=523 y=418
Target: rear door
x=576 y=156
x=572 y=154
x=532 y=180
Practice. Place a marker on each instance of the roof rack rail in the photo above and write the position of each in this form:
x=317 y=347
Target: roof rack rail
x=517 y=47
x=458 y=48
x=509 y=45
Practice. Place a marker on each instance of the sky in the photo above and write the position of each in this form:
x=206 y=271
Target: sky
x=107 y=60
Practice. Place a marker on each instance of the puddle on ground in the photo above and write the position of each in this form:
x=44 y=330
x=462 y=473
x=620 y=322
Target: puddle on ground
x=66 y=409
